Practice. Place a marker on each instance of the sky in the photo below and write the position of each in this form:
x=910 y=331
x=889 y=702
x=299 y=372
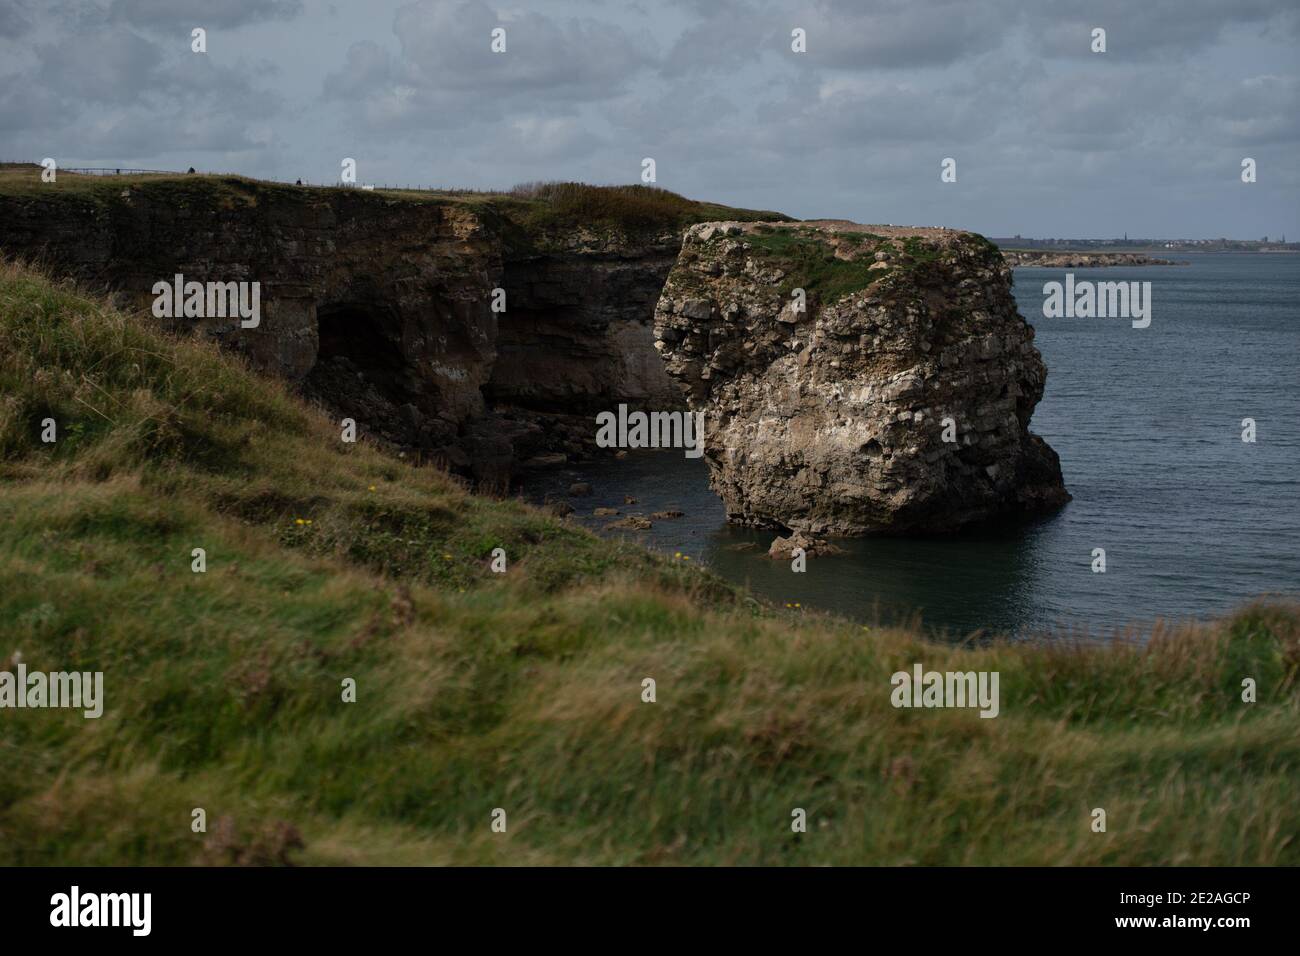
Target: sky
x=1050 y=138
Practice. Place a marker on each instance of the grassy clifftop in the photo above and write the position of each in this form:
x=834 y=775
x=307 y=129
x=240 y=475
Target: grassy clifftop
x=522 y=690
x=531 y=211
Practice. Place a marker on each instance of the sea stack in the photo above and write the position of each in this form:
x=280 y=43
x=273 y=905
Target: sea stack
x=858 y=379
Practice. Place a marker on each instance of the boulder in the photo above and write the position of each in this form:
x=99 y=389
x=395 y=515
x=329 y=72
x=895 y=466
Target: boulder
x=630 y=523
x=783 y=548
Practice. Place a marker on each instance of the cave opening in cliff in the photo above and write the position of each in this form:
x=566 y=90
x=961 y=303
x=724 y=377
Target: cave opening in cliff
x=359 y=352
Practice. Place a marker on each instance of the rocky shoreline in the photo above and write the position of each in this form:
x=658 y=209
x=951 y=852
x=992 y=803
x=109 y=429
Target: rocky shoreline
x=1081 y=260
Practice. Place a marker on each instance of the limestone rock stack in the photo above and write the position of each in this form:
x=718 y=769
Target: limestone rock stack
x=858 y=379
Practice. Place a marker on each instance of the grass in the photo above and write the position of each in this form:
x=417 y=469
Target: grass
x=810 y=263
x=530 y=212
x=559 y=205
x=522 y=690
x=24 y=179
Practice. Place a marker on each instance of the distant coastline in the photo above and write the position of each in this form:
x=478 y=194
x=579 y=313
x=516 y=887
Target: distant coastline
x=1162 y=247
x=1080 y=260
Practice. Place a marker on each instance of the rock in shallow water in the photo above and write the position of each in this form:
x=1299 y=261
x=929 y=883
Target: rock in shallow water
x=630 y=523
x=895 y=399
x=783 y=548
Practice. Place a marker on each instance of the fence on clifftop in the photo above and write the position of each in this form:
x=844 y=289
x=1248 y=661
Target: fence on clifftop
x=125 y=171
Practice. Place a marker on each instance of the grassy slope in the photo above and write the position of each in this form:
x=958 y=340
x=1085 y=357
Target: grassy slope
x=522 y=690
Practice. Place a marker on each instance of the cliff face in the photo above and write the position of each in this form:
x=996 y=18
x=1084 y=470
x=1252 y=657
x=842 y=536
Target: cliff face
x=380 y=307
x=898 y=399
x=578 y=337
x=586 y=305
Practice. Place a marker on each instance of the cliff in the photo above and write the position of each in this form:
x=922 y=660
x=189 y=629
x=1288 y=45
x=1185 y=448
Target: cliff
x=379 y=305
x=487 y=330
x=894 y=396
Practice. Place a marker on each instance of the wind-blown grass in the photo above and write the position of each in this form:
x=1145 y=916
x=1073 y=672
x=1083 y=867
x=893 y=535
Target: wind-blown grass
x=531 y=211
x=476 y=690
x=629 y=208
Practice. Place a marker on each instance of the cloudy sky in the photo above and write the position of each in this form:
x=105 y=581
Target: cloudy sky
x=1050 y=138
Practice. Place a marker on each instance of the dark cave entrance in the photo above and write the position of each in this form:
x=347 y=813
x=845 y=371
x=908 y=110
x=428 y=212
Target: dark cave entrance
x=359 y=341
x=359 y=369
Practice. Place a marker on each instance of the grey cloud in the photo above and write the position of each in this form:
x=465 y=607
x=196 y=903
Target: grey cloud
x=104 y=66
x=730 y=34
x=903 y=34
x=95 y=87
x=448 y=46
x=170 y=15
x=16 y=18
x=1152 y=29
x=1255 y=111
x=445 y=73
x=840 y=113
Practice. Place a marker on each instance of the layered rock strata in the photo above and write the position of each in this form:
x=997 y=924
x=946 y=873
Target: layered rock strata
x=381 y=307
x=896 y=397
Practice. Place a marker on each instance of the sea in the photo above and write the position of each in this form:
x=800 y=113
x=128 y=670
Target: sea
x=1194 y=522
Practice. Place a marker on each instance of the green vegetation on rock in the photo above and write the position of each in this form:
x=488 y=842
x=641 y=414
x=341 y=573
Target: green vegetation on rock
x=809 y=262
